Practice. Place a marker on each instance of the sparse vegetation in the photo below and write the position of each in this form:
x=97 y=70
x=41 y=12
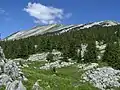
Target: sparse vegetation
x=66 y=78
x=2 y=87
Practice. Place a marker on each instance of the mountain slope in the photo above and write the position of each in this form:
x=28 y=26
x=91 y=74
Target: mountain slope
x=86 y=57
x=57 y=28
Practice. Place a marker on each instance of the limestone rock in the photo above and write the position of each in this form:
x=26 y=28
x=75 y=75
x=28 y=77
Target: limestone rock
x=20 y=86
x=15 y=85
x=4 y=79
x=11 y=69
x=87 y=66
x=83 y=50
x=10 y=75
x=2 y=56
x=42 y=56
x=12 y=85
x=103 y=78
x=36 y=86
x=56 y=64
x=101 y=49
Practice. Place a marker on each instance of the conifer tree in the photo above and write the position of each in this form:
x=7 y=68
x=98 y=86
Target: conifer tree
x=50 y=57
x=90 y=54
x=112 y=55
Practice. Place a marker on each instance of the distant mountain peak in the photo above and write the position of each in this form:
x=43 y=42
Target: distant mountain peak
x=110 y=22
x=58 y=28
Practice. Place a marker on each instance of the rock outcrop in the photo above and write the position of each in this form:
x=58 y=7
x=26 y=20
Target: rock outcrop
x=43 y=56
x=100 y=46
x=36 y=86
x=56 y=64
x=87 y=66
x=10 y=74
x=105 y=78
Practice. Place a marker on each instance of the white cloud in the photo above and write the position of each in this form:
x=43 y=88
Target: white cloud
x=45 y=14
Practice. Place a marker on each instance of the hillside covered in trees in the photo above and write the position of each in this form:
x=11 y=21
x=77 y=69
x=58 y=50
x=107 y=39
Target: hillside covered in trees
x=68 y=43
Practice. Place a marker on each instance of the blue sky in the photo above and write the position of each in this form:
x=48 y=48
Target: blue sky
x=18 y=15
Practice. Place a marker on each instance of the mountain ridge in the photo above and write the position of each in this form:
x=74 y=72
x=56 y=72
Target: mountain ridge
x=59 y=28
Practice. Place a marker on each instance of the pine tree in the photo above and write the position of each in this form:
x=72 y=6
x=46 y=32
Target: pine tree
x=90 y=54
x=112 y=55
x=50 y=57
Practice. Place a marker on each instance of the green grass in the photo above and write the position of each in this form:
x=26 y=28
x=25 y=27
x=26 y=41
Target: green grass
x=2 y=87
x=67 y=78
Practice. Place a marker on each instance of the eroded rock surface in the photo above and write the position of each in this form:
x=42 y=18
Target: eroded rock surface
x=56 y=64
x=42 y=56
x=36 y=86
x=103 y=78
x=10 y=74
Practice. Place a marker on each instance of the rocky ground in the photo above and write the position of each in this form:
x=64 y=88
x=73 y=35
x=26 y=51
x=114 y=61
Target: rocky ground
x=11 y=76
x=103 y=78
x=39 y=75
x=73 y=77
